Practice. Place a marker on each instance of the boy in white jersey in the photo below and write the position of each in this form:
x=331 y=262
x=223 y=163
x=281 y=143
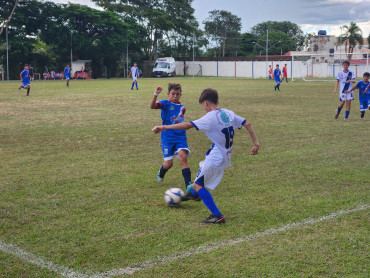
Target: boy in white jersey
x=345 y=78
x=135 y=74
x=219 y=125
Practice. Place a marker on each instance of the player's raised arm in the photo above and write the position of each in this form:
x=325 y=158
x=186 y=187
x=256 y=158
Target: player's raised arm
x=153 y=103
x=182 y=126
x=253 y=136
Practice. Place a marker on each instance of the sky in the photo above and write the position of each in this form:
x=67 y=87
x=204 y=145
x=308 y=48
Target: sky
x=311 y=15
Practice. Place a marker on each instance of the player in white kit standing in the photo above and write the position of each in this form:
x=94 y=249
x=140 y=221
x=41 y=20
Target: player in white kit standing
x=219 y=125
x=135 y=74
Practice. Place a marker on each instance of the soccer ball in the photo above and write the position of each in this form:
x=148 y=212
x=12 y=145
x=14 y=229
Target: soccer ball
x=173 y=196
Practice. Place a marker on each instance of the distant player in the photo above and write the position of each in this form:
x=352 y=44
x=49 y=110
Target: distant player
x=173 y=142
x=364 y=93
x=219 y=125
x=277 y=74
x=67 y=74
x=345 y=78
x=270 y=72
x=25 y=78
x=135 y=74
x=31 y=73
x=285 y=74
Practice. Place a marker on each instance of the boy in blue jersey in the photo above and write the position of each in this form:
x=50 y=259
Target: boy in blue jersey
x=364 y=93
x=173 y=142
x=277 y=74
x=219 y=125
x=135 y=74
x=67 y=74
x=25 y=78
x=345 y=79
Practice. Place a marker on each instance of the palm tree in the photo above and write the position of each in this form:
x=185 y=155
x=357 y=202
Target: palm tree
x=352 y=35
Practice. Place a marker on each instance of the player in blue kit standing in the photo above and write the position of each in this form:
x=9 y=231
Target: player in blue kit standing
x=277 y=74
x=67 y=74
x=364 y=93
x=173 y=142
x=345 y=78
x=135 y=74
x=25 y=78
x=219 y=125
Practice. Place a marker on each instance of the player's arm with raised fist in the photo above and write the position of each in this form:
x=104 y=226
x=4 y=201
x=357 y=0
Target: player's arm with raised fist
x=153 y=103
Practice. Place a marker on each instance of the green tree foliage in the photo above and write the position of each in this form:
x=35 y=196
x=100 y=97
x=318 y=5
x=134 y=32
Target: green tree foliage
x=351 y=36
x=158 y=17
x=289 y=28
x=222 y=26
x=247 y=44
x=278 y=43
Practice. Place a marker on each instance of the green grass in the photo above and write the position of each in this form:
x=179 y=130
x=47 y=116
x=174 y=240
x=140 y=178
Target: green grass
x=78 y=187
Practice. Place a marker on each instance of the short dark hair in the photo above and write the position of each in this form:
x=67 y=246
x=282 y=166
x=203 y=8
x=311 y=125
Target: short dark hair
x=174 y=86
x=346 y=62
x=366 y=74
x=210 y=95
x=277 y=65
x=25 y=65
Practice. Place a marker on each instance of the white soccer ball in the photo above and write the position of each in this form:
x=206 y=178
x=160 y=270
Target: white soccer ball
x=173 y=196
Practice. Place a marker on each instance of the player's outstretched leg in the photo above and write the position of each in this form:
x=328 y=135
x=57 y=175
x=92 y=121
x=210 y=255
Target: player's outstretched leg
x=348 y=109
x=216 y=217
x=340 y=106
x=28 y=90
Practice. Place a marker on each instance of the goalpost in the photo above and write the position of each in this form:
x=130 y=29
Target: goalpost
x=325 y=67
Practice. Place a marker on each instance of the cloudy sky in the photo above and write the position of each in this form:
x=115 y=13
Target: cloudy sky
x=311 y=15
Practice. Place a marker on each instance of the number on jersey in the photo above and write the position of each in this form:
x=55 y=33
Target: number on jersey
x=229 y=135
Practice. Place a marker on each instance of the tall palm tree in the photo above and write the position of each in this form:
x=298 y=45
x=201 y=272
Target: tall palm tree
x=352 y=35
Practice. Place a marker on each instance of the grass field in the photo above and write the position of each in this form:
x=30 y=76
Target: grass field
x=78 y=186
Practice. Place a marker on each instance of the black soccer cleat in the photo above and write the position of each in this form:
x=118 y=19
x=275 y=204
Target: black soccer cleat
x=362 y=114
x=212 y=219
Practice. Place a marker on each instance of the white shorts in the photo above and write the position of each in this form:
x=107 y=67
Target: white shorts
x=134 y=78
x=346 y=96
x=211 y=170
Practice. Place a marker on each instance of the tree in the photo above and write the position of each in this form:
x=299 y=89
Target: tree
x=6 y=22
x=158 y=17
x=221 y=26
x=278 y=43
x=247 y=44
x=351 y=36
x=291 y=29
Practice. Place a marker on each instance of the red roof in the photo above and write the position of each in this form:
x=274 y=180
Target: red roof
x=358 y=61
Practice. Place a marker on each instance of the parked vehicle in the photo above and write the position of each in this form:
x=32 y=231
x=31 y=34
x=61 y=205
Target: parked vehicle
x=164 y=67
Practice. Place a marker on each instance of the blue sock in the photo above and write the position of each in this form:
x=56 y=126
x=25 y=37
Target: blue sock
x=347 y=114
x=132 y=85
x=338 y=111
x=207 y=199
x=187 y=176
x=194 y=194
x=136 y=85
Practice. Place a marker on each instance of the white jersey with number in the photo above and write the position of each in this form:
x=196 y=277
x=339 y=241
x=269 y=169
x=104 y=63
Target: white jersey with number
x=135 y=72
x=219 y=125
x=342 y=78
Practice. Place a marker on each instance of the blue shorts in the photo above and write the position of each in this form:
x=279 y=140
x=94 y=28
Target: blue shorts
x=364 y=104
x=26 y=83
x=171 y=149
x=277 y=80
x=67 y=77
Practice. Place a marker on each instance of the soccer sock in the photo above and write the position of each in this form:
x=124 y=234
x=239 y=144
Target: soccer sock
x=194 y=193
x=28 y=91
x=136 y=85
x=162 y=172
x=207 y=199
x=347 y=114
x=275 y=88
x=132 y=85
x=187 y=176
x=339 y=109
x=362 y=114
x=278 y=86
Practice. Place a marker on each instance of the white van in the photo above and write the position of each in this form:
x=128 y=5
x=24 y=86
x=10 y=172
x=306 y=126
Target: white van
x=164 y=67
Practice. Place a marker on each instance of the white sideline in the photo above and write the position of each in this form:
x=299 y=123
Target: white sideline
x=206 y=248
x=33 y=259
x=68 y=272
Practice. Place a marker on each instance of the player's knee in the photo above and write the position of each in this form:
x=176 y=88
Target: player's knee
x=168 y=164
x=197 y=187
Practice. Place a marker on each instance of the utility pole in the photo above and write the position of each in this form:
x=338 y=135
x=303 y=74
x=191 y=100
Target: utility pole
x=127 y=55
x=267 y=51
x=7 y=54
x=193 y=54
x=71 y=51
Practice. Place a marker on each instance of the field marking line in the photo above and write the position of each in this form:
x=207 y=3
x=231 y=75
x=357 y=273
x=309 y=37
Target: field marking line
x=40 y=262
x=70 y=273
x=207 y=248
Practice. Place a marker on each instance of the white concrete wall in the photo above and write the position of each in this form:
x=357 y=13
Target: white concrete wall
x=257 y=69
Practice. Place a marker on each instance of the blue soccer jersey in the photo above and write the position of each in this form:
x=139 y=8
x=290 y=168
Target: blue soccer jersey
x=25 y=76
x=362 y=86
x=67 y=72
x=172 y=113
x=277 y=73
